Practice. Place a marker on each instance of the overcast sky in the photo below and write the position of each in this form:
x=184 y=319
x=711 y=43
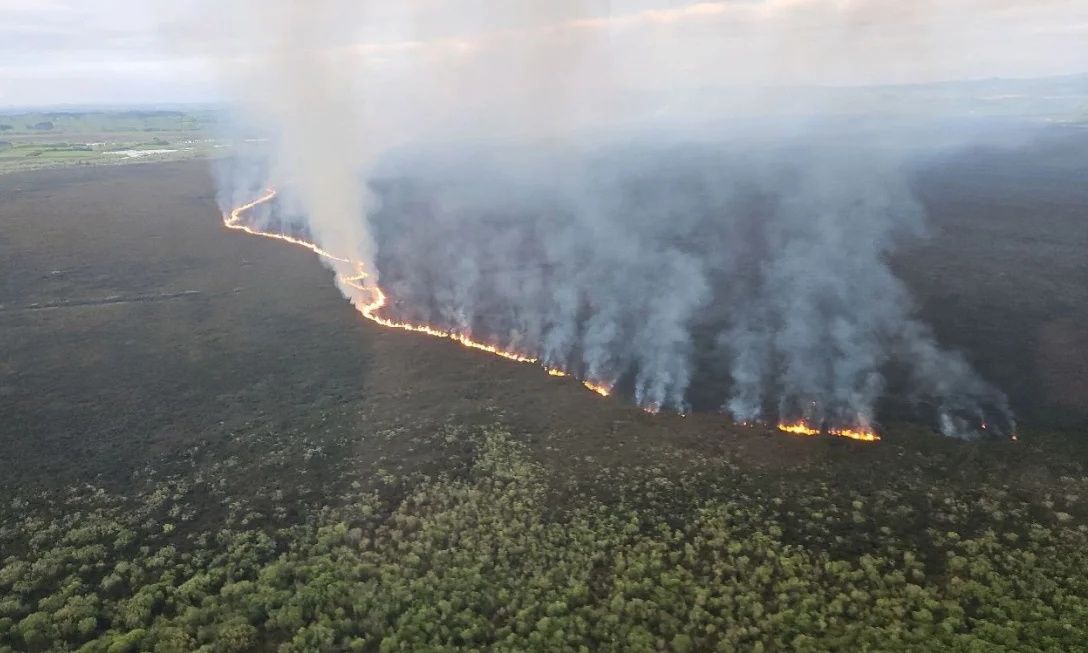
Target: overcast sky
x=146 y=51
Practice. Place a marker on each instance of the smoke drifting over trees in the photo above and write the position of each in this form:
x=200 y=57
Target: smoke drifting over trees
x=607 y=189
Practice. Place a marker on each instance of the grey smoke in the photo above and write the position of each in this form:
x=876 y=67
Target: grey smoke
x=606 y=262
x=607 y=187
x=826 y=315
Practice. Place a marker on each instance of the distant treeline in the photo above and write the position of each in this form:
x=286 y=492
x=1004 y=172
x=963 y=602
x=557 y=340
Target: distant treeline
x=132 y=113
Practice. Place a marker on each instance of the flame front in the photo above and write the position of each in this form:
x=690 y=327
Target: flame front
x=803 y=428
x=372 y=299
x=799 y=428
x=856 y=434
x=233 y=220
x=599 y=388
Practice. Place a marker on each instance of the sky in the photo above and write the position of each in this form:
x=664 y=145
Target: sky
x=158 y=51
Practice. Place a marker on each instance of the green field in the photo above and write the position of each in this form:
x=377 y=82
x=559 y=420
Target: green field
x=32 y=140
x=105 y=122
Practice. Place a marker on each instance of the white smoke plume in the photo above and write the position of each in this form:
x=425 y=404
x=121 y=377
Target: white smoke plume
x=603 y=184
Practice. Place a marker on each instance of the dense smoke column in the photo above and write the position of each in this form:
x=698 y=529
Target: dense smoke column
x=826 y=296
x=814 y=335
x=750 y=342
x=964 y=404
x=600 y=264
x=664 y=343
x=552 y=261
x=549 y=184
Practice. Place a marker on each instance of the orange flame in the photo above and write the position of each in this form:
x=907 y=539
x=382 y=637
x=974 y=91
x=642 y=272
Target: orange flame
x=799 y=428
x=599 y=388
x=856 y=434
x=234 y=221
x=802 y=428
x=377 y=298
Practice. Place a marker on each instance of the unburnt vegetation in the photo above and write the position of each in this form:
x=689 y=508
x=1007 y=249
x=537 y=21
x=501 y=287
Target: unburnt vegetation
x=494 y=551
x=37 y=140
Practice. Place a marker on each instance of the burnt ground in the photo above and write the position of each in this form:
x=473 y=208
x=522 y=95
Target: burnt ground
x=136 y=329
x=1003 y=274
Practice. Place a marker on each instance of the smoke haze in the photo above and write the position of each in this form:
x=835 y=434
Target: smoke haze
x=631 y=190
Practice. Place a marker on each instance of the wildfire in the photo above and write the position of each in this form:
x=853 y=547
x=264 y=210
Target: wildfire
x=234 y=221
x=372 y=299
x=599 y=388
x=376 y=298
x=801 y=428
x=856 y=434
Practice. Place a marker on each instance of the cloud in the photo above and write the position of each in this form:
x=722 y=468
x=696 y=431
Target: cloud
x=664 y=44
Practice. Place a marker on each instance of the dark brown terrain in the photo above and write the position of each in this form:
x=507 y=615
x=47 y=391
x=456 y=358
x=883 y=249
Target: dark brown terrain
x=203 y=447
x=134 y=327
x=1004 y=273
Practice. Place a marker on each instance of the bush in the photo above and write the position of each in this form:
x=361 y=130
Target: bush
x=488 y=559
